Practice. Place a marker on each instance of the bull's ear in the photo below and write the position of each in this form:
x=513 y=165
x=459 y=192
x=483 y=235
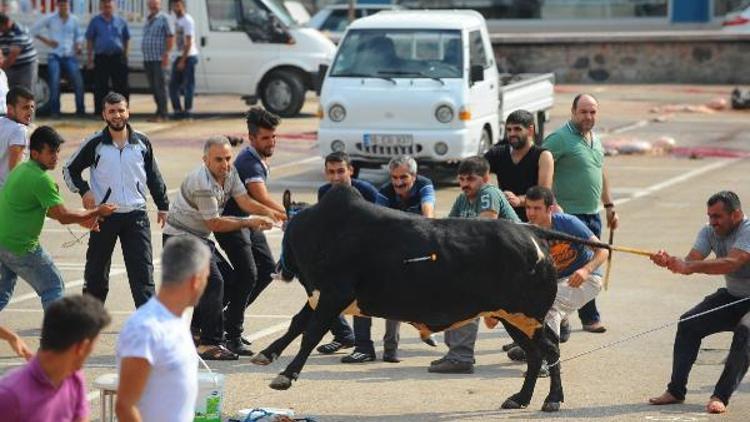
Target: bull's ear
x=287 y=199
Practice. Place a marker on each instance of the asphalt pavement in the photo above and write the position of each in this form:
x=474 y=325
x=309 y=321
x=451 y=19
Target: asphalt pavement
x=661 y=202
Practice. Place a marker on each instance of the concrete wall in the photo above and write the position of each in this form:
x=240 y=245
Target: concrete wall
x=704 y=57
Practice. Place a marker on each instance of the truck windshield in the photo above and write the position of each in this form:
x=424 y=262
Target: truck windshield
x=433 y=54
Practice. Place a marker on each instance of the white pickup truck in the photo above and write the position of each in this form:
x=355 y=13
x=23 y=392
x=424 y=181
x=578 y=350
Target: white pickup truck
x=251 y=48
x=423 y=83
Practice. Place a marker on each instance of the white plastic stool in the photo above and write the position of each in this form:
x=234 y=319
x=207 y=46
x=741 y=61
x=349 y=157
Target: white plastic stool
x=107 y=385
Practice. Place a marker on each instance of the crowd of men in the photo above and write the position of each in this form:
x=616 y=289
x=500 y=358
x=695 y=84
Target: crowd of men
x=559 y=185
x=107 y=42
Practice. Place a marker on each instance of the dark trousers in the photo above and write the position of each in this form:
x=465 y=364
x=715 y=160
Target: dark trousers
x=157 y=84
x=264 y=263
x=734 y=318
x=363 y=338
x=238 y=245
x=109 y=67
x=208 y=316
x=134 y=231
x=588 y=312
x=341 y=331
x=253 y=263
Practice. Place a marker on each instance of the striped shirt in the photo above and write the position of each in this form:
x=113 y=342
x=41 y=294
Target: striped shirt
x=155 y=34
x=18 y=36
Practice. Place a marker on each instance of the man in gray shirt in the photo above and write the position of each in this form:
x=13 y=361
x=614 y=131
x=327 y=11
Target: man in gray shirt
x=728 y=236
x=196 y=211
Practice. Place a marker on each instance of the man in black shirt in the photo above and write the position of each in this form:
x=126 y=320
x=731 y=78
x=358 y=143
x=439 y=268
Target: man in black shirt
x=520 y=164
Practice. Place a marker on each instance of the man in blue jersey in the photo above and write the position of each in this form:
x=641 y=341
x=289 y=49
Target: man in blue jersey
x=339 y=171
x=579 y=277
x=409 y=192
x=248 y=250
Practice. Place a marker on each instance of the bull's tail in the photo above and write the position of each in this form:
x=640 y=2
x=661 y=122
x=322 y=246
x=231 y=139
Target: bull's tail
x=548 y=234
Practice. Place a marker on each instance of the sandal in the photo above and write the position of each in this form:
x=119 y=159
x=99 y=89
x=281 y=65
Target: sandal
x=217 y=352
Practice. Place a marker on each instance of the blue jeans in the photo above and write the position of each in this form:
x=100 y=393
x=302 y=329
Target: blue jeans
x=56 y=64
x=183 y=81
x=36 y=268
x=588 y=313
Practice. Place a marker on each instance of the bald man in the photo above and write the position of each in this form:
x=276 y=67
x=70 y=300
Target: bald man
x=580 y=182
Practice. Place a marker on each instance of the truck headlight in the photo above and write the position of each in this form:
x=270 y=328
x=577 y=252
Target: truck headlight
x=444 y=114
x=337 y=112
x=441 y=148
x=338 y=146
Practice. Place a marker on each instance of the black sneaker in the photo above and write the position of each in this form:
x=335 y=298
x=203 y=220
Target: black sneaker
x=357 y=357
x=509 y=346
x=333 y=347
x=438 y=361
x=564 y=330
x=450 y=366
x=235 y=345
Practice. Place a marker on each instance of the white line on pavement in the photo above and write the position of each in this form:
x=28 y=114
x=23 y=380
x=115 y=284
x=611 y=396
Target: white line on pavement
x=39 y=311
x=677 y=179
x=68 y=285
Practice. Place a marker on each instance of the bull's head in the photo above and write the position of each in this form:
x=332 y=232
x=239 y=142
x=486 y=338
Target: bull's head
x=292 y=208
x=283 y=267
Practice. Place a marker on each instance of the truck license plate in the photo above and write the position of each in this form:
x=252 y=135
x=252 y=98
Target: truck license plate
x=388 y=140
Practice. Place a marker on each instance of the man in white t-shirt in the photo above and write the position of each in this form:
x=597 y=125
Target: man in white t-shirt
x=14 y=133
x=3 y=85
x=156 y=358
x=183 y=68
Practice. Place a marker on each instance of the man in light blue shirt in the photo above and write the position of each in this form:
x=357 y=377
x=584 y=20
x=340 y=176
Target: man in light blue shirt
x=60 y=32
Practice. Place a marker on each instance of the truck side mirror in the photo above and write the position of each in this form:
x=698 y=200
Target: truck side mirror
x=322 y=70
x=476 y=73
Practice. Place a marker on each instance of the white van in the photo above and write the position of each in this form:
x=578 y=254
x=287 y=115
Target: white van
x=422 y=83
x=251 y=48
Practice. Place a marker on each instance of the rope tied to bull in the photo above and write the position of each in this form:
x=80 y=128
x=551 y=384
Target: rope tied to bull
x=649 y=331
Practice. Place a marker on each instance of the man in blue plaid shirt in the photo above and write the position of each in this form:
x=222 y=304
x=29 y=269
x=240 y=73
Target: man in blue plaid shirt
x=158 y=39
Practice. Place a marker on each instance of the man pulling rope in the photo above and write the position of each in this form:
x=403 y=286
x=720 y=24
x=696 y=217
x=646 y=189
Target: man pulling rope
x=728 y=236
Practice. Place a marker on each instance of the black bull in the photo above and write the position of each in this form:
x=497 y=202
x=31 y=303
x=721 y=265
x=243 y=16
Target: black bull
x=352 y=255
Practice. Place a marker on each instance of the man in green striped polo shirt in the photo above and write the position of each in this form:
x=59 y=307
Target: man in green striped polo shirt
x=580 y=181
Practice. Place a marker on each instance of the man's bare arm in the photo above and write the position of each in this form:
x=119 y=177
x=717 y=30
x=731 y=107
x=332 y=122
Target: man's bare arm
x=134 y=373
x=259 y=192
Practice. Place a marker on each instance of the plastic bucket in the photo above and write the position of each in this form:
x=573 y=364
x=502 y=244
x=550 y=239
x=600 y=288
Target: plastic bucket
x=210 y=397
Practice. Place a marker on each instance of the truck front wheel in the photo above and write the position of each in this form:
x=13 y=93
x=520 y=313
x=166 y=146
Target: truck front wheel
x=485 y=142
x=283 y=93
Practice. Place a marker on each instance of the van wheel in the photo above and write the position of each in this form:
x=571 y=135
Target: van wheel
x=283 y=93
x=42 y=94
x=485 y=142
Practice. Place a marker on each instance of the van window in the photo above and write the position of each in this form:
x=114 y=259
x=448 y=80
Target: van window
x=338 y=20
x=222 y=15
x=477 y=54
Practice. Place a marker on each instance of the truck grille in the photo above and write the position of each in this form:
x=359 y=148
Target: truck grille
x=392 y=151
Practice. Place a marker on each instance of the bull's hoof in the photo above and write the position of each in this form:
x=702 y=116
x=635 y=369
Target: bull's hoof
x=261 y=359
x=512 y=404
x=551 y=406
x=430 y=341
x=281 y=382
